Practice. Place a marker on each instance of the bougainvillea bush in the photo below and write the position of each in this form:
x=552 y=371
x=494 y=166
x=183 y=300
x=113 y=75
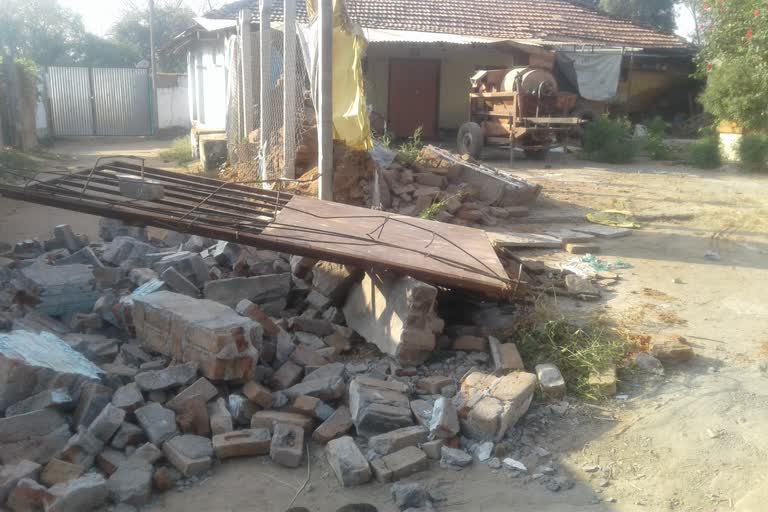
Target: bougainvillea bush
x=735 y=61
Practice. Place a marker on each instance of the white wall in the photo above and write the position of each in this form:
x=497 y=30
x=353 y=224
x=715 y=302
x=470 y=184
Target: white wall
x=207 y=96
x=173 y=105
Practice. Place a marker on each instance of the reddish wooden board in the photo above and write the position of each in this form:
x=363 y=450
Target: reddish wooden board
x=435 y=252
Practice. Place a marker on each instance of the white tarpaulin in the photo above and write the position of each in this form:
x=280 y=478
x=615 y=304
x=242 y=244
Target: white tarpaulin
x=597 y=74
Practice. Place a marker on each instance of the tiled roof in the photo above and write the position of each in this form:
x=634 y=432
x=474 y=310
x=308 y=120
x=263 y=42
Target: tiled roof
x=555 y=21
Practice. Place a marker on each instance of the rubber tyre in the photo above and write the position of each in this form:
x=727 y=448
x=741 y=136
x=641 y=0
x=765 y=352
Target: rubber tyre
x=470 y=140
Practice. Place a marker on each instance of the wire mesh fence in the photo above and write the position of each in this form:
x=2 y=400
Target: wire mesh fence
x=248 y=160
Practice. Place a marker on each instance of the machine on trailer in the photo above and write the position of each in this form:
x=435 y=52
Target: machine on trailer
x=520 y=108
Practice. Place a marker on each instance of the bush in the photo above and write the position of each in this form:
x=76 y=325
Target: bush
x=409 y=151
x=705 y=153
x=179 y=152
x=609 y=140
x=753 y=153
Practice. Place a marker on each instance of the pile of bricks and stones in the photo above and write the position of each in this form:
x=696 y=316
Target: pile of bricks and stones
x=133 y=365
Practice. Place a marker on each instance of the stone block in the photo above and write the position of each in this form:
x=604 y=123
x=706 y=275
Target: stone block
x=171 y=377
x=334 y=280
x=454 y=457
x=35 y=436
x=109 y=229
x=445 y=420
x=395 y=313
x=147 y=453
x=267 y=419
x=400 y=464
x=470 y=344
x=97 y=348
x=128 y=435
x=201 y=388
x=28 y=496
x=128 y=397
x=286 y=376
x=389 y=442
x=432 y=385
x=93 y=398
x=188 y=264
x=311 y=407
x=104 y=426
x=62 y=289
x=348 y=462
x=176 y=282
x=220 y=418
x=221 y=342
x=248 y=309
x=604 y=383
x=131 y=483
x=256 y=289
x=81 y=448
x=433 y=449
x=109 y=460
x=287 y=445
x=241 y=409
x=258 y=394
x=12 y=473
x=58 y=471
x=32 y=363
x=335 y=426
x=194 y=419
x=82 y=494
x=190 y=454
x=158 y=422
x=242 y=443
x=551 y=380
x=141 y=276
x=126 y=252
x=323 y=388
x=490 y=405
x=58 y=398
x=505 y=356
x=378 y=406
x=672 y=351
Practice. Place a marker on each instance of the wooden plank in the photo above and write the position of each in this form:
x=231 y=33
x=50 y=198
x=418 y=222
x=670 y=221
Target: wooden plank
x=438 y=253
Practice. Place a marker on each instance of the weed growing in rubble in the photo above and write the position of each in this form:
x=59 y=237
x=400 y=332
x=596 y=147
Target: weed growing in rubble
x=180 y=152
x=576 y=351
x=431 y=212
x=409 y=151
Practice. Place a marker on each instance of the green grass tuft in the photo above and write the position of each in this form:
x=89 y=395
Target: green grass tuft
x=705 y=153
x=577 y=351
x=610 y=141
x=180 y=152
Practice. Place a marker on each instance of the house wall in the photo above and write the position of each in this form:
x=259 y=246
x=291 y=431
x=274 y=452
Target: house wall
x=457 y=64
x=172 y=101
x=207 y=85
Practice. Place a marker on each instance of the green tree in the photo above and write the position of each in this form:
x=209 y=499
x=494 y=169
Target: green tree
x=40 y=30
x=132 y=31
x=657 y=13
x=734 y=60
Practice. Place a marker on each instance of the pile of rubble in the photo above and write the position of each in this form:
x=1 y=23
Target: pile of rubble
x=133 y=365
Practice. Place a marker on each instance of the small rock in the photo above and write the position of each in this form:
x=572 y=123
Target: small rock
x=454 y=457
x=516 y=465
x=410 y=495
x=494 y=463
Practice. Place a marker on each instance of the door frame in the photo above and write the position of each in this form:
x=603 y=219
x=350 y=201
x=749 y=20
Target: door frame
x=391 y=60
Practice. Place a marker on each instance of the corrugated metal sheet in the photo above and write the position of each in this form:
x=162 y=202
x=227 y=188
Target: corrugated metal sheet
x=121 y=100
x=99 y=101
x=68 y=90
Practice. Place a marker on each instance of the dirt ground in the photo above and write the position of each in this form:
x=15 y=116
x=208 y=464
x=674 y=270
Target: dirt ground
x=694 y=439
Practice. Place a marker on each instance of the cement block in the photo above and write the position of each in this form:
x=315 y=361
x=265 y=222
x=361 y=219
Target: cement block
x=348 y=462
x=384 y=444
x=81 y=494
x=158 y=422
x=287 y=446
x=62 y=290
x=242 y=443
x=378 y=406
x=190 y=454
x=256 y=289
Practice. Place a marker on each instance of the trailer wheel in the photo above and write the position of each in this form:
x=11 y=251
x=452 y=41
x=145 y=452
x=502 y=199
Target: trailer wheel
x=470 y=139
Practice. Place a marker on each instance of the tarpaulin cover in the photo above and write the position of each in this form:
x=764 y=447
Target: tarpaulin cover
x=350 y=113
x=595 y=74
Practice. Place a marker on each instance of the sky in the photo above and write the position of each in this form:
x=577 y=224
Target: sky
x=99 y=15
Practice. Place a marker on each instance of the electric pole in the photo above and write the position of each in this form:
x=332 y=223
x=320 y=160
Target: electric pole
x=152 y=64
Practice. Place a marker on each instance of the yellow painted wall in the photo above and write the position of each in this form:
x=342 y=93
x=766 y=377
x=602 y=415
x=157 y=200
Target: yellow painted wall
x=457 y=64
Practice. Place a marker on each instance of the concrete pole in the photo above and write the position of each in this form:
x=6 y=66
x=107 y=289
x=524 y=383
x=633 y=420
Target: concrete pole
x=289 y=90
x=265 y=82
x=325 y=95
x=153 y=65
x=246 y=63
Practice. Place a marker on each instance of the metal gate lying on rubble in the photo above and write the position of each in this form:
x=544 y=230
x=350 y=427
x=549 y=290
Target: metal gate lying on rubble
x=99 y=101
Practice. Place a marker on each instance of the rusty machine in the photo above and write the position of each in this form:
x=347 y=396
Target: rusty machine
x=520 y=108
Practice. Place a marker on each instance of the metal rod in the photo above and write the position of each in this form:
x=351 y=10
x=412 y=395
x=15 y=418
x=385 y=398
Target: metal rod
x=325 y=95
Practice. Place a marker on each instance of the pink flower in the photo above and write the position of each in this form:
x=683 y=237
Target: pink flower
x=749 y=34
